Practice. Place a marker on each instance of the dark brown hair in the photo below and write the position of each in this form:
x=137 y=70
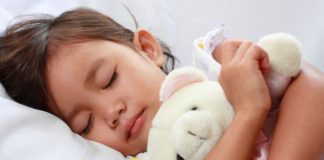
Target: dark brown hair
x=26 y=46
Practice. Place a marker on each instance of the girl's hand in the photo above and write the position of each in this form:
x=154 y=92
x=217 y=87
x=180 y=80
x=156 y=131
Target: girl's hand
x=243 y=66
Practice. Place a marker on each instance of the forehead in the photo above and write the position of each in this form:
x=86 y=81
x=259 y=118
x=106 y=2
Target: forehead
x=74 y=58
x=67 y=68
x=78 y=51
x=73 y=55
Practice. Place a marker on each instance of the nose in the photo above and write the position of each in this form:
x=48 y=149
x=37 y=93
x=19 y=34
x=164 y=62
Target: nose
x=114 y=114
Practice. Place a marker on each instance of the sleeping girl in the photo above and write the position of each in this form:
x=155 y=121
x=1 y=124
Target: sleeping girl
x=103 y=80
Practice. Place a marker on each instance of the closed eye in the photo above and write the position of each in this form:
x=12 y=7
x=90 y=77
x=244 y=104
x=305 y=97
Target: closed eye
x=89 y=125
x=112 y=80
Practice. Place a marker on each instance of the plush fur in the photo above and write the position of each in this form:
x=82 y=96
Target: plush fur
x=195 y=112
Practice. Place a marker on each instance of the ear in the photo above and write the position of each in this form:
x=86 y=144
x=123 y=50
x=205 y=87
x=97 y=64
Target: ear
x=180 y=78
x=149 y=45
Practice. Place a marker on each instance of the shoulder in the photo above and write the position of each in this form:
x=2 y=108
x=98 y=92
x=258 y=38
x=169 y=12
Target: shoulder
x=307 y=87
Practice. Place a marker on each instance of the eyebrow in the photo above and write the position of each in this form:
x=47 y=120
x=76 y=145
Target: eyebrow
x=90 y=74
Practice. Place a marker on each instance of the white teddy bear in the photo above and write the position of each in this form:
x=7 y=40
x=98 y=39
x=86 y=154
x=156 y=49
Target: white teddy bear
x=195 y=112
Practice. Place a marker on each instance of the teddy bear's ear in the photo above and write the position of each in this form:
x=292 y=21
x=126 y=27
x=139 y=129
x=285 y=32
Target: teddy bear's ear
x=179 y=78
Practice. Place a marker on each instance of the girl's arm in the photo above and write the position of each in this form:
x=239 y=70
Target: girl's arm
x=299 y=132
x=241 y=77
x=239 y=139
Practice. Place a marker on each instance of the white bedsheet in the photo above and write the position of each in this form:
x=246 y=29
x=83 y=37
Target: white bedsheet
x=29 y=134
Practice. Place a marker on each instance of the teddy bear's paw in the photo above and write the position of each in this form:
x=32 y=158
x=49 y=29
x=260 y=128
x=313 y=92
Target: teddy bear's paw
x=277 y=85
x=195 y=133
x=284 y=52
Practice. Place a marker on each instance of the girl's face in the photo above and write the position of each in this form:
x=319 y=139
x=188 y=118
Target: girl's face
x=106 y=92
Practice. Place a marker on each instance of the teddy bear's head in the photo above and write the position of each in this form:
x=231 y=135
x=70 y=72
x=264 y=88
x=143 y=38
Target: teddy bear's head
x=195 y=112
x=193 y=116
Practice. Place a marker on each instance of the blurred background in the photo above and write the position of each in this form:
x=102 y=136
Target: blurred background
x=179 y=22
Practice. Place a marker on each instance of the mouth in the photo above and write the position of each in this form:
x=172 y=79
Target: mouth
x=134 y=125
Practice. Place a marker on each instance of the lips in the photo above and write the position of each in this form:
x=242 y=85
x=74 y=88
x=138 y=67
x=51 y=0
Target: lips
x=134 y=125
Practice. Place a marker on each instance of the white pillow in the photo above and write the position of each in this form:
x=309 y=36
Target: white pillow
x=30 y=134
x=3 y=93
x=5 y=18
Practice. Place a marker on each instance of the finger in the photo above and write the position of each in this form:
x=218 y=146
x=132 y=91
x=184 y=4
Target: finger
x=228 y=50
x=265 y=65
x=217 y=54
x=256 y=53
x=242 y=50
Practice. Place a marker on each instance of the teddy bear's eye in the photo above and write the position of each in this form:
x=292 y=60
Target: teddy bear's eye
x=194 y=108
x=179 y=157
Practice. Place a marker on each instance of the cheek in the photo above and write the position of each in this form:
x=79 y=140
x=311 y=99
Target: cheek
x=103 y=134
x=141 y=86
x=146 y=90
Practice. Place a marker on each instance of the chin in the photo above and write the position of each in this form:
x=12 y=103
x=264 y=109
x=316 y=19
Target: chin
x=138 y=148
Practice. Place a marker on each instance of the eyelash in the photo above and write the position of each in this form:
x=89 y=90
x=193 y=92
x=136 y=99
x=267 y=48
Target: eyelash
x=89 y=125
x=112 y=80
